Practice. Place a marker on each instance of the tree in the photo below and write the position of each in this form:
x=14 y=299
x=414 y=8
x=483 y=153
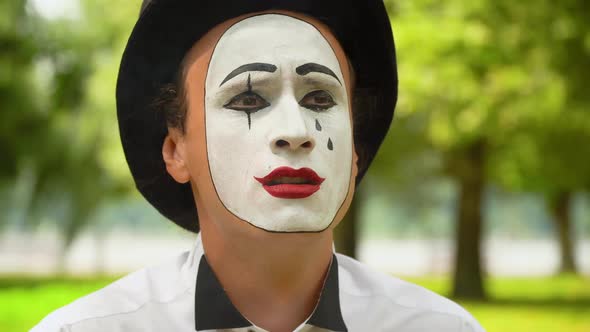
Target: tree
x=61 y=122
x=548 y=155
x=22 y=120
x=571 y=59
x=480 y=78
x=90 y=167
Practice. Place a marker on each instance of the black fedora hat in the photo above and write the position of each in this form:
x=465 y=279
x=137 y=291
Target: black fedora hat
x=167 y=29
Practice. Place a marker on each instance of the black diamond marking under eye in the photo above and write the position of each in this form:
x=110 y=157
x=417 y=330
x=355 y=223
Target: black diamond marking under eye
x=318 y=126
x=330 y=144
x=249 y=120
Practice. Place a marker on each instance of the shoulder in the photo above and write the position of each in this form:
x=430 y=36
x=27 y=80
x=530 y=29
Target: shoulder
x=127 y=296
x=398 y=303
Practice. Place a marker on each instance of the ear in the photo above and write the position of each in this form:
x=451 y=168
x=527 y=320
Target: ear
x=173 y=153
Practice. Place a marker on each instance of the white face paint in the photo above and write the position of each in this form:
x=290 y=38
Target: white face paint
x=276 y=99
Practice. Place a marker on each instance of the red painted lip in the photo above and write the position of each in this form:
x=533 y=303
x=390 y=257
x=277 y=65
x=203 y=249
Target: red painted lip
x=291 y=190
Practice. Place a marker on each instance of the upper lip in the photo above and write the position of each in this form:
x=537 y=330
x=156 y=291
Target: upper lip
x=284 y=175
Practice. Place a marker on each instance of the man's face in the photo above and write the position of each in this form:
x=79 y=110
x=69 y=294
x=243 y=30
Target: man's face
x=277 y=125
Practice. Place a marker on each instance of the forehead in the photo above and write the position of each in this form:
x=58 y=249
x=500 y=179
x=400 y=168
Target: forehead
x=278 y=39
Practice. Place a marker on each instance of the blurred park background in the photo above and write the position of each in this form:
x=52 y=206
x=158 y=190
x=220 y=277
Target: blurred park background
x=481 y=191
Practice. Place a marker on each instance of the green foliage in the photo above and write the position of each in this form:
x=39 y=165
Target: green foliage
x=502 y=72
x=491 y=92
x=21 y=117
x=57 y=79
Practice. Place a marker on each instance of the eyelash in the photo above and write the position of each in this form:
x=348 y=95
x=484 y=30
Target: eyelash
x=230 y=105
x=233 y=104
x=318 y=108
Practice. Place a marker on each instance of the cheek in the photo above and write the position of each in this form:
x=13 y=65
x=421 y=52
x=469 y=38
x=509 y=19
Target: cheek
x=196 y=149
x=228 y=131
x=334 y=131
x=231 y=147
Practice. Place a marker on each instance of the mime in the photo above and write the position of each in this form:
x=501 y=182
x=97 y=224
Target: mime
x=251 y=123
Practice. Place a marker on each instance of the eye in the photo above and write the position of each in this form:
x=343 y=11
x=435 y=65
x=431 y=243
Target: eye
x=247 y=101
x=318 y=101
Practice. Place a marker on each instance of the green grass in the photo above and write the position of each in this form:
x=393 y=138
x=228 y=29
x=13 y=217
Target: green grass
x=551 y=304
x=516 y=305
x=25 y=301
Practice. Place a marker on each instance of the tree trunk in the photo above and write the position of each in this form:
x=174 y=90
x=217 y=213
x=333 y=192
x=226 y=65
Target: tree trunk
x=346 y=234
x=468 y=281
x=559 y=205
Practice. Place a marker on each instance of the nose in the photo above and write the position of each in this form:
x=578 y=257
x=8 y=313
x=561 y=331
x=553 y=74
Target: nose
x=291 y=132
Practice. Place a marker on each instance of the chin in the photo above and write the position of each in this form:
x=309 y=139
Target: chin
x=293 y=221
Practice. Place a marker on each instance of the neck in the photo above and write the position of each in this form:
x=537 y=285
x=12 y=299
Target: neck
x=273 y=279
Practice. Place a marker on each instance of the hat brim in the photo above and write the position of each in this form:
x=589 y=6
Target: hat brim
x=166 y=31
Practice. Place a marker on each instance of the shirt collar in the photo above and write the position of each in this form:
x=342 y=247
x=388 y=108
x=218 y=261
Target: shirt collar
x=214 y=310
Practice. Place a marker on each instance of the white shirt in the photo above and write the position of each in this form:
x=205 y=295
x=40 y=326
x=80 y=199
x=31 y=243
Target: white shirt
x=184 y=295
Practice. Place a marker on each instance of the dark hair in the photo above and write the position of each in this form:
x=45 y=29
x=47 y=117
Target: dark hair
x=172 y=101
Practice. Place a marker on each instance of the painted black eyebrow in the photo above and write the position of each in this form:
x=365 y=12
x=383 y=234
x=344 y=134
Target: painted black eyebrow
x=314 y=67
x=256 y=66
